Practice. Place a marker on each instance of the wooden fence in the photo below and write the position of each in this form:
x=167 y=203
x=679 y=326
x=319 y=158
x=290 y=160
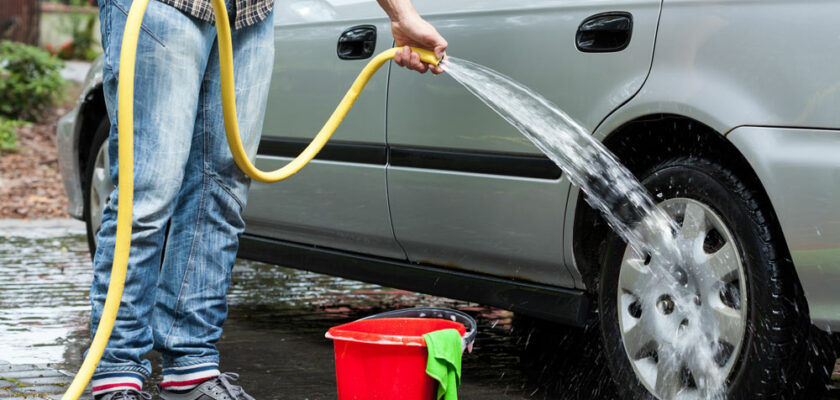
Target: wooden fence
x=20 y=20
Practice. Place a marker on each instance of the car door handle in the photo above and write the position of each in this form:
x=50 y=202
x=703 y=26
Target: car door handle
x=605 y=32
x=357 y=43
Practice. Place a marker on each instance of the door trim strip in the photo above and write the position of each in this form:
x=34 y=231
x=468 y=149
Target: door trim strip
x=526 y=166
x=479 y=162
x=333 y=151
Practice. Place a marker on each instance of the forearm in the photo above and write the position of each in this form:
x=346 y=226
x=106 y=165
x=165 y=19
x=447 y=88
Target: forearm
x=398 y=10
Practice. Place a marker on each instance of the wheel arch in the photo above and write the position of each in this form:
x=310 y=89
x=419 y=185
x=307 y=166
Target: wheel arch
x=91 y=112
x=639 y=144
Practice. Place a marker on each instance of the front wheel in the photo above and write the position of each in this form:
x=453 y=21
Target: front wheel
x=98 y=185
x=735 y=323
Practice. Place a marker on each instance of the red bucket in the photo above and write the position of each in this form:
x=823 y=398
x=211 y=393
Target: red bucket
x=385 y=358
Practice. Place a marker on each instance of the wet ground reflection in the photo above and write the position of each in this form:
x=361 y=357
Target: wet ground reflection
x=274 y=336
x=43 y=300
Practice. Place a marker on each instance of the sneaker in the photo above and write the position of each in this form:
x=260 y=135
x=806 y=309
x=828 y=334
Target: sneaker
x=125 y=395
x=218 y=388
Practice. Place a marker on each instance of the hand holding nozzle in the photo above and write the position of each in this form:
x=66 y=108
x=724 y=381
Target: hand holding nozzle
x=427 y=38
x=411 y=30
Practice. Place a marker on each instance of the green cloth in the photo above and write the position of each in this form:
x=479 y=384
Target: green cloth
x=444 y=363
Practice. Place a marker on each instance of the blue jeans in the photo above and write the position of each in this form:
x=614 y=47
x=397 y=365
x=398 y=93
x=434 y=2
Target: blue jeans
x=185 y=177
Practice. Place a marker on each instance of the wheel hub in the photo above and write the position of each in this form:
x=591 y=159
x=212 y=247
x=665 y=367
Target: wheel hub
x=665 y=305
x=683 y=324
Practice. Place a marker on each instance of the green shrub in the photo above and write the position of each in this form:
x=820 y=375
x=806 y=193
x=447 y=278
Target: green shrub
x=80 y=25
x=8 y=137
x=29 y=81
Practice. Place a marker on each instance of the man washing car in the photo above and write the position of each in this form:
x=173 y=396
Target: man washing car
x=174 y=299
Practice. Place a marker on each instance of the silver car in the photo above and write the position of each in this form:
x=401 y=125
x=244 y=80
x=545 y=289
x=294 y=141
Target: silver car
x=726 y=110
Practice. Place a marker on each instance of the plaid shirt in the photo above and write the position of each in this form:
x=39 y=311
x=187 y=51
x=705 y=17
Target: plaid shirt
x=248 y=12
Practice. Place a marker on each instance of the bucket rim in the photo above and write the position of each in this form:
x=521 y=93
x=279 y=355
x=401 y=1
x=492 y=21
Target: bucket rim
x=340 y=333
x=448 y=314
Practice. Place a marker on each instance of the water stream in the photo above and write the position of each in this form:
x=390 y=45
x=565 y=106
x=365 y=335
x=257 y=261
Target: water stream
x=629 y=209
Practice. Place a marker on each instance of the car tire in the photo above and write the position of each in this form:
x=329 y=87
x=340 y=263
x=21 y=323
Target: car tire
x=774 y=360
x=97 y=183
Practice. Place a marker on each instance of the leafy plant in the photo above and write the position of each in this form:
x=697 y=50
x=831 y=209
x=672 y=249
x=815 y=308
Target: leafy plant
x=8 y=137
x=80 y=25
x=29 y=80
x=83 y=39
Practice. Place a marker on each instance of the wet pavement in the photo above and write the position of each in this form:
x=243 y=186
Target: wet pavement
x=274 y=336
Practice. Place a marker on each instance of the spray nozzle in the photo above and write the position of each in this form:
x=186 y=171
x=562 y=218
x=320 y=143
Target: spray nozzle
x=427 y=56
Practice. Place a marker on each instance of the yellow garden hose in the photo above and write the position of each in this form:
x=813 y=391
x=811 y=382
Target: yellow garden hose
x=125 y=129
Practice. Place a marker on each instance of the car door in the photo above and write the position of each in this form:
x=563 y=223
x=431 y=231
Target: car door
x=337 y=201
x=466 y=189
